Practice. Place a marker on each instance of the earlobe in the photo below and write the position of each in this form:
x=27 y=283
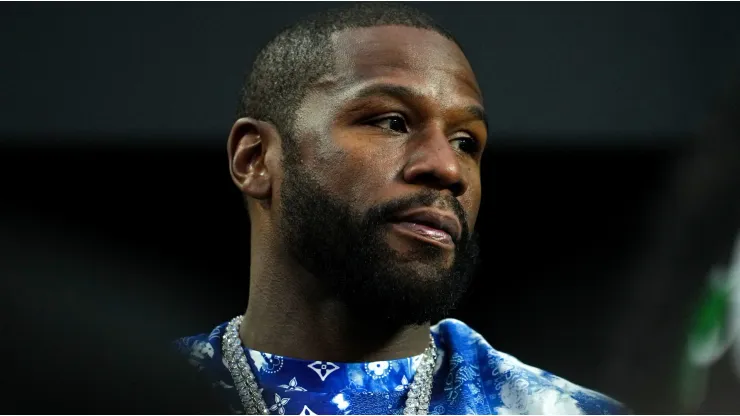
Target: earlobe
x=247 y=148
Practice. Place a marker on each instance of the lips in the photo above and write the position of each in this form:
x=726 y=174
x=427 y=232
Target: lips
x=431 y=223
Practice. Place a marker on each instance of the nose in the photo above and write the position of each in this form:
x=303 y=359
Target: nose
x=433 y=163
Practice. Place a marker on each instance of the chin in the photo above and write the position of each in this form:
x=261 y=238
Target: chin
x=426 y=272
x=410 y=292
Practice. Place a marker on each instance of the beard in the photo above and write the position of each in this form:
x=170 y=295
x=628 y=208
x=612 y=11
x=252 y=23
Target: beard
x=348 y=253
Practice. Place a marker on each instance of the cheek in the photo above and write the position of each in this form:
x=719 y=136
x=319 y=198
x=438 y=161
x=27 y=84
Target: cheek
x=360 y=170
x=471 y=202
x=473 y=215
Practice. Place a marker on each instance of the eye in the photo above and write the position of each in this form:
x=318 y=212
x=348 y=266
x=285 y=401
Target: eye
x=466 y=144
x=394 y=122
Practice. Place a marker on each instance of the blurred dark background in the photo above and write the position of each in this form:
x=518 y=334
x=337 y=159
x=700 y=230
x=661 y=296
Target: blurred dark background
x=121 y=227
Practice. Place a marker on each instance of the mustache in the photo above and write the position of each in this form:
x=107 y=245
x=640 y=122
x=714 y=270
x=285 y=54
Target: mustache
x=424 y=199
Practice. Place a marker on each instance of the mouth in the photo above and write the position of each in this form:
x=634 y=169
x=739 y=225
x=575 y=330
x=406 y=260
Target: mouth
x=431 y=226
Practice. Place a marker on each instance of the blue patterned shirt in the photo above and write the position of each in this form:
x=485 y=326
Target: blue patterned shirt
x=470 y=378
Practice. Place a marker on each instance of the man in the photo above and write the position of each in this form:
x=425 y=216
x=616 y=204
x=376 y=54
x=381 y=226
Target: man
x=358 y=149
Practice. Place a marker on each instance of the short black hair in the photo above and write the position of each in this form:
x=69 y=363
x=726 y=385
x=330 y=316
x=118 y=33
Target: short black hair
x=302 y=53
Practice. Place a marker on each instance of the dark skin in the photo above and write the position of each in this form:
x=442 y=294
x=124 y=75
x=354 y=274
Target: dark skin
x=401 y=111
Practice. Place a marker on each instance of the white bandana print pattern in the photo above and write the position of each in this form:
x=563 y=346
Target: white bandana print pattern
x=266 y=362
x=306 y=411
x=404 y=384
x=292 y=385
x=323 y=369
x=378 y=369
x=470 y=378
x=279 y=405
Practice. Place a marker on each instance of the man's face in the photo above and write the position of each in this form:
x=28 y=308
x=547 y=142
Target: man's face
x=381 y=195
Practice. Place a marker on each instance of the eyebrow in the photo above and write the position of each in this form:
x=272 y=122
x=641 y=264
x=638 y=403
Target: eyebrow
x=478 y=113
x=405 y=94
x=391 y=90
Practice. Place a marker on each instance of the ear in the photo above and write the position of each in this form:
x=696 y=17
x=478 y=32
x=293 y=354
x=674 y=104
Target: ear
x=248 y=144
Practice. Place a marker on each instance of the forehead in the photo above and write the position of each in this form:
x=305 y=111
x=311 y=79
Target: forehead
x=401 y=53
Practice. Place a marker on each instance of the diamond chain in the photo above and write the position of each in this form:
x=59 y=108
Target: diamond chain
x=417 y=399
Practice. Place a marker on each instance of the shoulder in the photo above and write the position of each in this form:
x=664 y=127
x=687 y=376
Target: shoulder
x=510 y=385
x=203 y=351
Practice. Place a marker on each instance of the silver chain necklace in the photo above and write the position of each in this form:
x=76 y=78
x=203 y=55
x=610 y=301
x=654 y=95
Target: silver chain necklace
x=417 y=400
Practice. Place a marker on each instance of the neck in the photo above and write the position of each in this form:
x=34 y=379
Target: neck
x=289 y=314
